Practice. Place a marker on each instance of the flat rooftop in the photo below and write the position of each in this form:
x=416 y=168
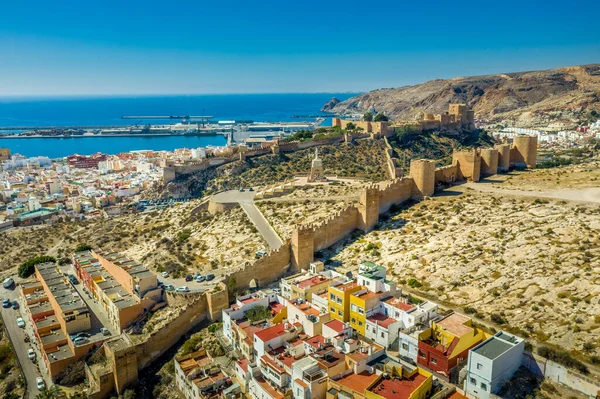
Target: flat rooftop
x=66 y=297
x=456 y=324
x=398 y=388
x=496 y=345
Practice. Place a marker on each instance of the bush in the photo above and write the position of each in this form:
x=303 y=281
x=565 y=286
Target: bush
x=27 y=268
x=83 y=247
x=258 y=313
x=498 y=319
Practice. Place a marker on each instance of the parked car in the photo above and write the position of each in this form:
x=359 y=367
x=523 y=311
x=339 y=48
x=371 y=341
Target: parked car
x=8 y=283
x=105 y=331
x=6 y=303
x=20 y=322
x=200 y=278
x=241 y=189
x=210 y=277
x=81 y=335
x=183 y=289
x=40 y=383
x=250 y=189
x=196 y=275
x=165 y=274
x=15 y=305
x=30 y=354
x=80 y=340
x=188 y=277
x=169 y=287
x=73 y=279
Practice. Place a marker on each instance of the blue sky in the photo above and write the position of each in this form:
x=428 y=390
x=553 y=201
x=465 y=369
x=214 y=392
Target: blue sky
x=148 y=47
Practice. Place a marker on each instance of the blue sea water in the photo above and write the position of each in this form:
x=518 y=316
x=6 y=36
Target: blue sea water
x=107 y=111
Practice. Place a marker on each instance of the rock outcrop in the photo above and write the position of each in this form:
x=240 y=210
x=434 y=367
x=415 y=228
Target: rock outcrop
x=330 y=105
x=560 y=97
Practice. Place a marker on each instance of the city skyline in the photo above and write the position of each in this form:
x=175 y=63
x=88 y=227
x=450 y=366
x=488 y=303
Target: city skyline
x=147 y=49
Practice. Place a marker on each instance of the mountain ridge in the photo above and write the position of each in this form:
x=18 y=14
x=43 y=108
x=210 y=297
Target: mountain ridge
x=554 y=98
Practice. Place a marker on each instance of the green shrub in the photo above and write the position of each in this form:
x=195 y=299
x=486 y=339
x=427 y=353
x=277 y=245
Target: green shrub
x=27 y=268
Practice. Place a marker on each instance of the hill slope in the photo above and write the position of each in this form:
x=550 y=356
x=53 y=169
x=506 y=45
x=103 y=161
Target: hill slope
x=560 y=97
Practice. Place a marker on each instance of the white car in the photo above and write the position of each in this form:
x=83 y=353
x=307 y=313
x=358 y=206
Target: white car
x=20 y=322
x=165 y=274
x=40 y=383
x=31 y=354
x=182 y=289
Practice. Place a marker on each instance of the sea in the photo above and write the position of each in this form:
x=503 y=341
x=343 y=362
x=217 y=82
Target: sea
x=107 y=111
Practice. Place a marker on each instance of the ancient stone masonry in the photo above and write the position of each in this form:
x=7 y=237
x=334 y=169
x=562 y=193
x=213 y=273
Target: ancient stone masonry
x=458 y=116
x=473 y=164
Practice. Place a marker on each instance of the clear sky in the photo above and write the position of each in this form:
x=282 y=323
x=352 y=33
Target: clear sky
x=149 y=47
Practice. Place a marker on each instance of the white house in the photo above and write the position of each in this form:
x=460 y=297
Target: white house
x=492 y=363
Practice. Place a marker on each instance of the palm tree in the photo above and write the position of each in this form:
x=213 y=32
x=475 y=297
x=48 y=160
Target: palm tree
x=54 y=392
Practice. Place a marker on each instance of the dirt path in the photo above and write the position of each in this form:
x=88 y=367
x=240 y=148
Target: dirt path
x=567 y=194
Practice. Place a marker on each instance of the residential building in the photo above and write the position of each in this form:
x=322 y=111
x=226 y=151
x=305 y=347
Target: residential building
x=124 y=288
x=447 y=342
x=492 y=363
x=373 y=278
x=197 y=376
x=363 y=304
x=57 y=312
x=339 y=299
x=311 y=317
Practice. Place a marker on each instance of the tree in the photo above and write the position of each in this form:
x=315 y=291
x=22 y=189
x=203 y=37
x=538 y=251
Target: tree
x=368 y=117
x=381 y=118
x=83 y=247
x=27 y=268
x=54 y=392
x=350 y=126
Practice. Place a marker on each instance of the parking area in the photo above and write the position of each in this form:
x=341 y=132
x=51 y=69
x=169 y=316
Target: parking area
x=31 y=369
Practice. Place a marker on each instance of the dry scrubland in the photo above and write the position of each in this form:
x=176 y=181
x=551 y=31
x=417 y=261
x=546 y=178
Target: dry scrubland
x=308 y=204
x=586 y=175
x=530 y=265
x=171 y=239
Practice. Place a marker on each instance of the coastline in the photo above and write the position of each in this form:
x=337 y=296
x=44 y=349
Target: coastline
x=39 y=136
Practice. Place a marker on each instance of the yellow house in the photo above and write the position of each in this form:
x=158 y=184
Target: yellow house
x=447 y=342
x=339 y=300
x=362 y=304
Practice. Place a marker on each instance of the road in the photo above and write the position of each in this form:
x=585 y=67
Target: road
x=245 y=199
x=30 y=369
x=263 y=226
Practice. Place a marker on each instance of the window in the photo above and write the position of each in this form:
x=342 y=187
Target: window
x=361 y=310
x=434 y=361
x=382 y=335
x=339 y=300
x=353 y=307
x=405 y=347
x=483 y=386
x=422 y=355
x=360 y=323
x=473 y=381
x=479 y=366
x=332 y=297
x=353 y=320
x=340 y=313
x=397 y=315
x=333 y=310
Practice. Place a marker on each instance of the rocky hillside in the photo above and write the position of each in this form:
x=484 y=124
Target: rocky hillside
x=558 y=98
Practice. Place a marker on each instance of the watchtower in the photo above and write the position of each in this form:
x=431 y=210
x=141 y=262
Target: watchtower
x=368 y=208
x=422 y=171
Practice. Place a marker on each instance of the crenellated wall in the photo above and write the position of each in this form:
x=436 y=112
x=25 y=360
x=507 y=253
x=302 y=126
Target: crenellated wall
x=334 y=228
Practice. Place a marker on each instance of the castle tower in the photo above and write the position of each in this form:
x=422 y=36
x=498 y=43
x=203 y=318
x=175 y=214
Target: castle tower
x=489 y=161
x=524 y=151
x=368 y=208
x=303 y=248
x=422 y=171
x=468 y=164
x=316 y=169
x=503 y=157
x=123 y=358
